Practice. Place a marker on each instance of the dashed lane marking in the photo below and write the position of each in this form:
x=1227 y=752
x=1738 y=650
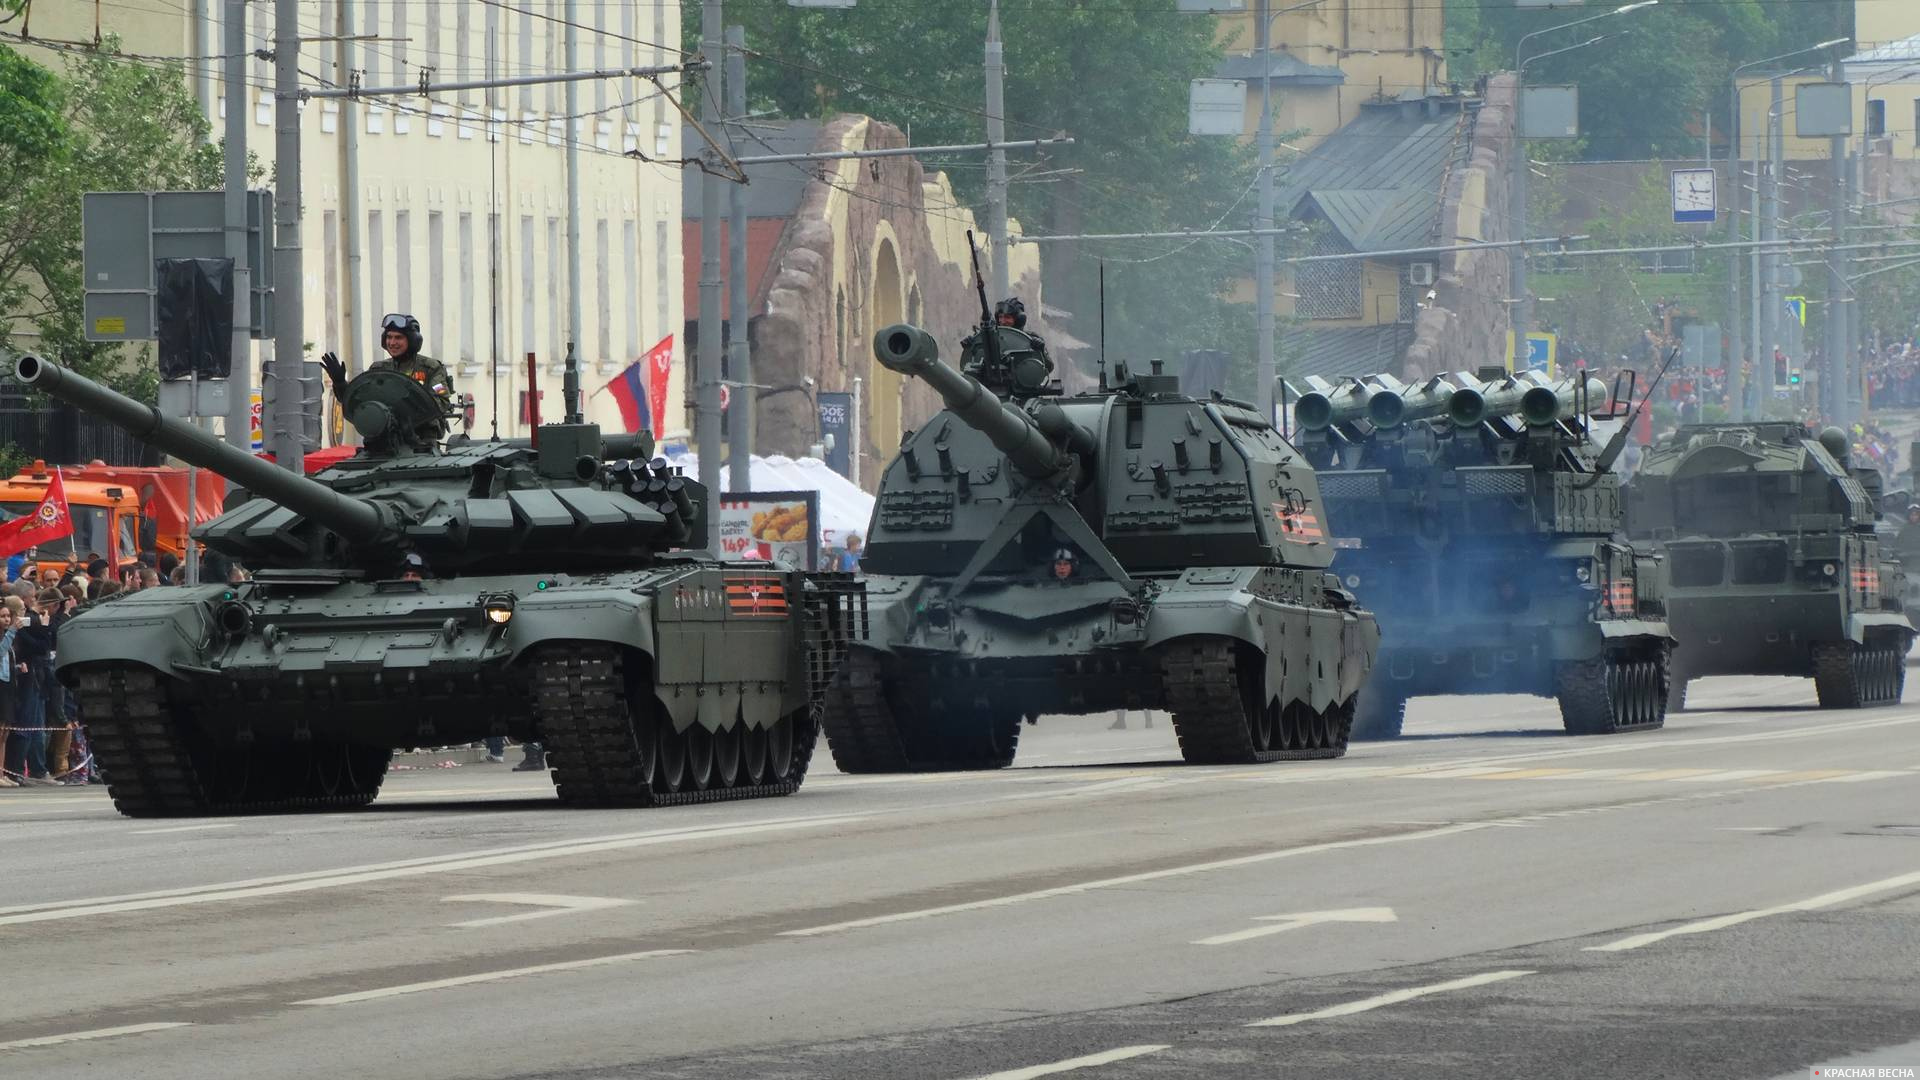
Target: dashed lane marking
x=84 y=1036
x=1089 y=1061
x=1134 y=879
x=1722 y=922
x=1394 y=998
x=490 y=976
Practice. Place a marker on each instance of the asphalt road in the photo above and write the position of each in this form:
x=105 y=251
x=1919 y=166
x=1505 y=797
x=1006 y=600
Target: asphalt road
x=1736 y=896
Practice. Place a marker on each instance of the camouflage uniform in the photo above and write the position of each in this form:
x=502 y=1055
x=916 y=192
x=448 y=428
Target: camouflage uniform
x=422 y=369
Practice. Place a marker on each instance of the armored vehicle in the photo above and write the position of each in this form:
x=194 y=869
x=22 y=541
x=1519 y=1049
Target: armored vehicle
x=1772 y=561
x=1052 y=554
x=547 y=603
x=1476 y=516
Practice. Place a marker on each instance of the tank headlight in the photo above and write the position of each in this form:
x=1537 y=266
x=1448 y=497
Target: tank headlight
x=498 y=609
x=1583 y=573
x=1353 y=581
x=1829 y=569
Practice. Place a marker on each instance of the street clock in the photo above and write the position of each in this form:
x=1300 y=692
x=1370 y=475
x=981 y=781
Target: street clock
x=1693 y=196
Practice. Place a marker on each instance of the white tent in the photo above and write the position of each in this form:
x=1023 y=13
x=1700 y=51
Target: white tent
x=844 y=508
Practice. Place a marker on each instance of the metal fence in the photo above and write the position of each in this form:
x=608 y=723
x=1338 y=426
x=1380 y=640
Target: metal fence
x=63 y=435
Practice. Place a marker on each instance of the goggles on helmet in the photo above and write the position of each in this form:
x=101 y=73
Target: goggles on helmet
x=396 y=321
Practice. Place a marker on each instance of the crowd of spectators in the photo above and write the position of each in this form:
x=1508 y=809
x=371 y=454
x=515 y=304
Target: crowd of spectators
x=42 y=741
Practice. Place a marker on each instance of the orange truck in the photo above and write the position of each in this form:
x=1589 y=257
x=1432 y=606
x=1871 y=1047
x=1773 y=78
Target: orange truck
x=118 y=511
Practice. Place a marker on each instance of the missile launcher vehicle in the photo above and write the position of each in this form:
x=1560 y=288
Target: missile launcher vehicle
x=548 y=604
x=1032 y=553
x=1474 y=514
x=1773 y=563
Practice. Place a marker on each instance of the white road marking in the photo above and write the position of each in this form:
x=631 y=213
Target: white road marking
x=1087 y=1062
x=1284 y=923
x=1751 y=828
x=183 y=828
x=83 y=1036
x=490 y=976
x=1724 y=921
x=1394 y=998
x=555 y=903
x=1133 y=879
x=1630 y=746
x=355 y=875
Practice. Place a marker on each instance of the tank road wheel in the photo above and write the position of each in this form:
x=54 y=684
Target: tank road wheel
x=753 y=755
x=1677 y=682
x=790 y=746
x=964 y=736
x=1378 y=715
x=338 y=769
x=861 y=717
x=1215 y=689
x=1612 y=693
x=1836 y=675
x=612 y=743
x=726 y=755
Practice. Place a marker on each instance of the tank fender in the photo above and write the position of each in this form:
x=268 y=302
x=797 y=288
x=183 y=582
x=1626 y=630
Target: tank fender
x=158 y=634
x=892 y=603
x=1340 y=644
x=1861 y=623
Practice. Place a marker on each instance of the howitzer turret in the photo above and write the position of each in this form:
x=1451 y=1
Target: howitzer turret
x=1037 y=444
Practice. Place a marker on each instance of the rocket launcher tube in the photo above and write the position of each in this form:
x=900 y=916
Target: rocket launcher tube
x=1324 y=408
x=357 y=521
x=910 y=350
x=1390 y=408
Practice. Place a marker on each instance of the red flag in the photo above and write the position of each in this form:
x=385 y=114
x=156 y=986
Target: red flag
x=51 y=520
x=659 y=361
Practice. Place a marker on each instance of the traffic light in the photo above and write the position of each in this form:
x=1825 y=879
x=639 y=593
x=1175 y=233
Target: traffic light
x=1781 y=376
x=1793 y=377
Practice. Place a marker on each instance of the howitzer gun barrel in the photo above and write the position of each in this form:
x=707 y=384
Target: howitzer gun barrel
x=351 y=518
x=910 y=350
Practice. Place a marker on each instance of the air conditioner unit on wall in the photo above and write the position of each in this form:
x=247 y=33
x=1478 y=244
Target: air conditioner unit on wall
x=1420 y=273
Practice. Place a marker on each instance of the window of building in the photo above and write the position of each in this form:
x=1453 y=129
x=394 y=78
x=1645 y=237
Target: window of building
x=376 y=266
x=403 y=259
x=463 y=49
x=630 y=287
x=529 y=339
x=1876 y=117
x=1329 y=290
x=468 y=331
x=437 y=277
x=600 y=54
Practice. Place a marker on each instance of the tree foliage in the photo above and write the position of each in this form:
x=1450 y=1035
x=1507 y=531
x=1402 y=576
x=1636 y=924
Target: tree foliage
x=1113 y=74
x=1646 y=88
x=103 y=124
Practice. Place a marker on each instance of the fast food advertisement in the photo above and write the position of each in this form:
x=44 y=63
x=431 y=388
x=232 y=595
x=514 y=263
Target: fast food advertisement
x=780 y=527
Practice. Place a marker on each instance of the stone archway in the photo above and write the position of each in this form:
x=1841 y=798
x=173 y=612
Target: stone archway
x=887 y=297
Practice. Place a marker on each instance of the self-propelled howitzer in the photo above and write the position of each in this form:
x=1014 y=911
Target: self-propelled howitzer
x=1128 y=548
x=1486 y=538
x=419 y=595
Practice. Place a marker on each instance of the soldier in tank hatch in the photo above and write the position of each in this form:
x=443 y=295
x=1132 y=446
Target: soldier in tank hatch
x=401 y=339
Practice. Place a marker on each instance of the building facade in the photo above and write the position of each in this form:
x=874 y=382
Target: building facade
x=462 y=216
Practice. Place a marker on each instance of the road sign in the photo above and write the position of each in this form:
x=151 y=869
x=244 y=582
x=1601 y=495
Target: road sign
x=1693 y=196
x=1216 y=107
x=1797 y=309
x=1549 y=112
x=726 y=396
x=1542 y=353
x=123 y=232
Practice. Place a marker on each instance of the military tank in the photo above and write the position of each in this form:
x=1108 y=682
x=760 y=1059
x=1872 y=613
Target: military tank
x=551 y=605
x=1048 y=554
x=1478 y=518
x=1773 y=563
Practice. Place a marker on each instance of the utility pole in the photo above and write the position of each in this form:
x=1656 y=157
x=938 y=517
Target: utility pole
x=240 y=376
x=356 y=305
x=1736 y=345
x=1771 y=302
x=706 y=424
x=996 y=70
x=575 y=323
x=1833 y=375
x=739 y=346
x=289 y=349
x=1267 y=370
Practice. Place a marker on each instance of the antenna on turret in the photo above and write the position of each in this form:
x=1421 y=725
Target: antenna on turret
x=570 y=388
x=1619 y=441
x=1103 y=324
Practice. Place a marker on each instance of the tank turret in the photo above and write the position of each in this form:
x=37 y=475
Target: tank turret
x=467 y=506
x=1038 y=444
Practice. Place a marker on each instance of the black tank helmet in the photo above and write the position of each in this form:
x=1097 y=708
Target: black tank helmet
x=407 y=325
x=1012 y=306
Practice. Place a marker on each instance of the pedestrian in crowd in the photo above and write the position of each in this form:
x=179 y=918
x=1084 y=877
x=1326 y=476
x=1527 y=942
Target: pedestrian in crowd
x=179 y=576
x=7 y=633
x=23 y=589
x=110 y=588
x=167 y=562
x=149 y=579
x=850 y=555
x=236 y=574
x=17 y=565
x=96 y=573
x=33 y=652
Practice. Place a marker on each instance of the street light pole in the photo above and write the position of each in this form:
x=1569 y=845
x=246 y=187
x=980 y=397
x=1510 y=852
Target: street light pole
x=706 y=425
x=1268 y=368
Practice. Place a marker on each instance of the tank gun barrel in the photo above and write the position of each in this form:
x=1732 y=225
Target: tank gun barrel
x=353 y=519
x=910 y=350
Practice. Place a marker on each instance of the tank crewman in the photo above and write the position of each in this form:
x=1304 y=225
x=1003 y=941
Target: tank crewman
x=400 y=338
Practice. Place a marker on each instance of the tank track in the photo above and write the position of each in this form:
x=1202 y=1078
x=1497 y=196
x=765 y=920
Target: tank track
x=1846 y=676
x=1378 y=716
x=156 y=768
x=580 y=702
x=1202 y=681
x=865 y=736
x=1614 y=693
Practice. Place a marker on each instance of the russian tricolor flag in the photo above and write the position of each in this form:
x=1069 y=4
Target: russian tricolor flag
x=629 y=391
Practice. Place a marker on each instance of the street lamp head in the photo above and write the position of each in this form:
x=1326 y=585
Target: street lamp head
x=1831 y=44
x=1635 y=7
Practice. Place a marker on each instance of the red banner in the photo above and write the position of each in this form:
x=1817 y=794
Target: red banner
x=659 y=368
x=51 y=520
